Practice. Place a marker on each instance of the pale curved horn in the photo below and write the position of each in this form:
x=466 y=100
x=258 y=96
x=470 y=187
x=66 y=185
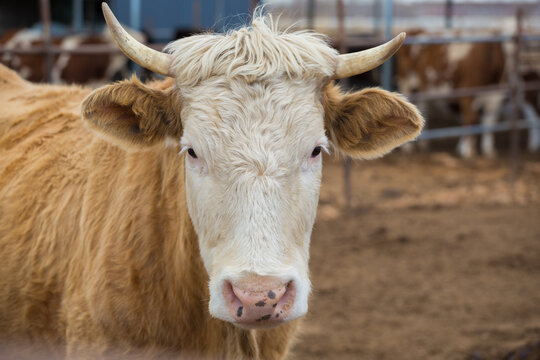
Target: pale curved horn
x=143 y=55
x=359 y=62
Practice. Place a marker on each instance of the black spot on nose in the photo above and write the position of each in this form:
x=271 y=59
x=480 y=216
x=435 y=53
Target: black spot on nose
x=239 y=311
x=260 y=303
x=274 y=305
x=271 y=294
x=265 y=317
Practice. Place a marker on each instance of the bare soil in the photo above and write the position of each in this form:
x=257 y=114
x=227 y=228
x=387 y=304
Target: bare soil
x=438 y=258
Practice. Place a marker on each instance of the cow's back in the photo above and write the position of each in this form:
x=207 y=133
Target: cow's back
x=42 y=143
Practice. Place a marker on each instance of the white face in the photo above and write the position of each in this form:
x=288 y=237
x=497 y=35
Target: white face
x=253 y=173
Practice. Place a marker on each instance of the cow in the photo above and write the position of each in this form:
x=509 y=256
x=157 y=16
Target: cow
x=174 y=218
x=440 y=68
x=67 y=68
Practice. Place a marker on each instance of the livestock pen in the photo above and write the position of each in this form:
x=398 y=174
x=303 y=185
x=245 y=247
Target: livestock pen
x=418 y=255
x=522 y=115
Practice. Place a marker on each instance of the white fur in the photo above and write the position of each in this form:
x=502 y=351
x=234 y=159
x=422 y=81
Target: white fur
x=466 y=147
x=534 y=132
x=257 y=52
x=458 y=52
x=253 y=189
x=409 y=83
x=491 y=104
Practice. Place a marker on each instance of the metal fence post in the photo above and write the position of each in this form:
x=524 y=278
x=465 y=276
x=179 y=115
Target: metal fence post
x=45 y=10
x=135 y=24
x=448 y=14
x=311 y=14
x=342 y=47
x=386 y=70
x=77 y=21
x=517 y=98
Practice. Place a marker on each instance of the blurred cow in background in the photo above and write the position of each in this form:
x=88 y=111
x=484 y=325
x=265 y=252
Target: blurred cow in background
x=441 y=68
x=94 y=70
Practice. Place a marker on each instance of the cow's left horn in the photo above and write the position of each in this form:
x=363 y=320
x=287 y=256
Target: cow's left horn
x=362 y=61
x=143 y=55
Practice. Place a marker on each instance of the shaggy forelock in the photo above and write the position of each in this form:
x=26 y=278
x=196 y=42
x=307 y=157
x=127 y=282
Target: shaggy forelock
x=258 y=51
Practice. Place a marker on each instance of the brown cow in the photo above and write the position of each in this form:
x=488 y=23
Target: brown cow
x=444 y=67
x=67 y=68
x=112 y=243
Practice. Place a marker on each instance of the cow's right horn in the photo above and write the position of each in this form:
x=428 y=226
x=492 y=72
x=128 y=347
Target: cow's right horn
x=362 y=61
x=146 y=57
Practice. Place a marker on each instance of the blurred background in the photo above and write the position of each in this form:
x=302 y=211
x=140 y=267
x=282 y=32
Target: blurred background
x=432 y=252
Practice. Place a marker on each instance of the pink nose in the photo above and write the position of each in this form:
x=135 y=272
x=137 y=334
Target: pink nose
x=259 y=301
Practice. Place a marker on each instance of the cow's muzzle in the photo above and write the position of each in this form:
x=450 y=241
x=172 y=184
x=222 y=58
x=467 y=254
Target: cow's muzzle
x=259 y=301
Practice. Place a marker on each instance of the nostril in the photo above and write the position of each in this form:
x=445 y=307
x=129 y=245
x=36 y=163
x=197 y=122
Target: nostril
x=232 y=300
x=286 y=301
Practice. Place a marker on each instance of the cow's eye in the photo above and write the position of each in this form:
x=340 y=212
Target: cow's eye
x=191 y=153
x=316 y=151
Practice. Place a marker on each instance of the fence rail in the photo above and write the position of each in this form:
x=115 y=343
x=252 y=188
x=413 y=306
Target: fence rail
x=458 y=131
x=472 y=91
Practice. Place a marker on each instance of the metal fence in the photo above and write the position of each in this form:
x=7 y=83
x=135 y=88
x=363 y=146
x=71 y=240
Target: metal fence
x=513 y=89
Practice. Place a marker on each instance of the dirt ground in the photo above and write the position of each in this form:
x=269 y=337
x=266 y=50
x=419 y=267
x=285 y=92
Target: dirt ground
x=437 y=259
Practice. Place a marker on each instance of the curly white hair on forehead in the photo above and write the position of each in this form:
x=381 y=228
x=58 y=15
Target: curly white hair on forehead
x=259 y=51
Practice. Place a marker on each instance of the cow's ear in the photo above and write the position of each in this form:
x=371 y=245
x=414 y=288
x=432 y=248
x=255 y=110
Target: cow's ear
x=369 y=123
x=133 y=114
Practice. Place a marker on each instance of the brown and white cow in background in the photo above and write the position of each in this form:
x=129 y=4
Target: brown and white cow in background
x=95 y=70
x=440 y=68
x=175 y=218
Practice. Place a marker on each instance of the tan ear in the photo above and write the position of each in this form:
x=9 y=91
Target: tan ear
x=133 y=113
x=369 y=123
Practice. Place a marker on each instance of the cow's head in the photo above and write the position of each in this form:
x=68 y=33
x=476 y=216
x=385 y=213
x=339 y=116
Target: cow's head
x=253 y=110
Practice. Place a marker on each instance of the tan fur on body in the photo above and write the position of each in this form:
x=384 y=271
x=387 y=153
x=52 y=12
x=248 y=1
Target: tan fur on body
x=98 y=253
